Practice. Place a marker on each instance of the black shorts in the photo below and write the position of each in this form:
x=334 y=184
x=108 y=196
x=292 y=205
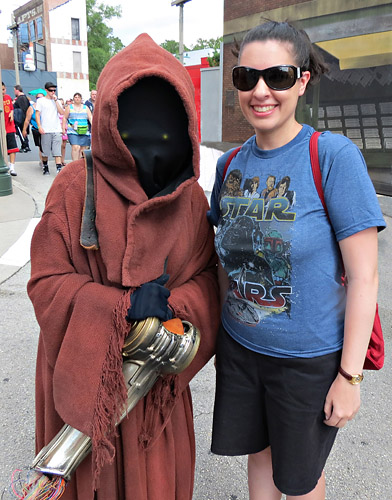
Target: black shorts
x=12 y=146
x=36 y=137
x=263 y=401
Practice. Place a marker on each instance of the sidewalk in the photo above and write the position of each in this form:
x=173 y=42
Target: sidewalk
x=17 y=224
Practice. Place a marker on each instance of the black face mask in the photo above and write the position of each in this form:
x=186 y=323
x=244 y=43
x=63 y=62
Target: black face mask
x=154 y=126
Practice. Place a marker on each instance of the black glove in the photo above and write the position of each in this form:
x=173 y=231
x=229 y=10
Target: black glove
x=150 y=300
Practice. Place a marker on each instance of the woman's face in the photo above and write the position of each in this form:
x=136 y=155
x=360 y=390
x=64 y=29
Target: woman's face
x=271 y=112
x=77 y=99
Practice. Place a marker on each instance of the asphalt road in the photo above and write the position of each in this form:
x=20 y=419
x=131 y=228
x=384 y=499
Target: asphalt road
x=359 y=468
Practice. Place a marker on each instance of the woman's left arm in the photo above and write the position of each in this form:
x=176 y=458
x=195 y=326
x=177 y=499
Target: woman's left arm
x=89 y=115
x=359 y=253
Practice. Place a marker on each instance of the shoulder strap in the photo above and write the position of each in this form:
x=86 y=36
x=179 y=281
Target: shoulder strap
x=314 y=161
x=228 y=161
x=88 y=231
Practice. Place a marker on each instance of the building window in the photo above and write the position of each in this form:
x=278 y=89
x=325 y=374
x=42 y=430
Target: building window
x=40 y=56
x=77 y=62
x=32 y=31
x=23 y=33
x=40 y=34
x=75 y=29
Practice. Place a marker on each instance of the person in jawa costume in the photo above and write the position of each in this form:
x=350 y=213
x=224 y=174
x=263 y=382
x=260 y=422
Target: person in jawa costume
x=150 y=220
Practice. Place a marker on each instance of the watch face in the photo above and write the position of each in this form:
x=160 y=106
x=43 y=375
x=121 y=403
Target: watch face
x=356 y=379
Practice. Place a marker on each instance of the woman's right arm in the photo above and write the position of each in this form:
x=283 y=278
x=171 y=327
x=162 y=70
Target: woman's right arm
x=65 y=120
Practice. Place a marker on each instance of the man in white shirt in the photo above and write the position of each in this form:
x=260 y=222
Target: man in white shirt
x=49 y=126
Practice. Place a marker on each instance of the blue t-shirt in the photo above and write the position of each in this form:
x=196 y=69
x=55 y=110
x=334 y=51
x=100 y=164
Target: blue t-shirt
x=278 y=248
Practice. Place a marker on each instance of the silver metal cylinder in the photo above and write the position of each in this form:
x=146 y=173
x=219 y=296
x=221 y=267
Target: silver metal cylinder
x=150 y=350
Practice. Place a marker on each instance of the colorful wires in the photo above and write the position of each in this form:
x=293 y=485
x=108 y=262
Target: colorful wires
x=35 y=486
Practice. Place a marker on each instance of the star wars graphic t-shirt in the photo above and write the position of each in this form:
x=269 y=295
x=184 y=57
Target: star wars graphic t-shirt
x=275 y=242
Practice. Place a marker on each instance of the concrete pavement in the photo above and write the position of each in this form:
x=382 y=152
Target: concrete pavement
x=17 y=223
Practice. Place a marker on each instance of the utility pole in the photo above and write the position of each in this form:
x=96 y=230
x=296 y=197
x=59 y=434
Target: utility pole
x=14 y=30
x=180 y=3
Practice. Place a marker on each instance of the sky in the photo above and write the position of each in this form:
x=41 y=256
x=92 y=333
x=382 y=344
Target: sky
x=202 y=19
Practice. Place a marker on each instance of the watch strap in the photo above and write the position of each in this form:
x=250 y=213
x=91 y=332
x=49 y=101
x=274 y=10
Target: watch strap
x=353 y=379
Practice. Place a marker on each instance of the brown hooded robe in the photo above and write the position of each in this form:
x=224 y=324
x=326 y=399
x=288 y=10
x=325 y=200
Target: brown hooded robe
x=81 y=297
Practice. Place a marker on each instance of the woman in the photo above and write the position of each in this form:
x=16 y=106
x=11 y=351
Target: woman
x=291 y=335
x=77 y=116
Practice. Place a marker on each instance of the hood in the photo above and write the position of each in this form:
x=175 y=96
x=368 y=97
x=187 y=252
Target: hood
x=114 y=160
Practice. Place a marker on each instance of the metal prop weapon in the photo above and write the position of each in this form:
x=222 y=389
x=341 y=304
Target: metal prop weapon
x=150 y=350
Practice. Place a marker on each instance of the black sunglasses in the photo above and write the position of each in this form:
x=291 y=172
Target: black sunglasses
x=281 y=77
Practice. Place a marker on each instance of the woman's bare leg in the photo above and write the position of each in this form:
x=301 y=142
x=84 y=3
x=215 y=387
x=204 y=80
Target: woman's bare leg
x=317 y=494
x=260 y=482
x=75 y=152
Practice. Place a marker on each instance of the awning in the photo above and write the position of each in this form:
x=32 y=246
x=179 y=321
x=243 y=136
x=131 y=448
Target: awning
x=364 y=51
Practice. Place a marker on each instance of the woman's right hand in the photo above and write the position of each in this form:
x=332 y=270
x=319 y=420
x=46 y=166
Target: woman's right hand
x=342 y=402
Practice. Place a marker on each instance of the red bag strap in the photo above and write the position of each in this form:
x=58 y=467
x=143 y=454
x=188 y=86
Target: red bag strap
x=228 y=161
x=314 y=161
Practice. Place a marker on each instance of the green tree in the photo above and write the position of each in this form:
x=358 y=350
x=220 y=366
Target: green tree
x=102 y=45
x=173 y=47
x=212 y=43
x=214 y=60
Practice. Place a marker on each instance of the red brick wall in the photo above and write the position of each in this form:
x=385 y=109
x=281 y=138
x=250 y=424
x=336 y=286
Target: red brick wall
x=240 y=8
x=234 y=126
x=6 y=56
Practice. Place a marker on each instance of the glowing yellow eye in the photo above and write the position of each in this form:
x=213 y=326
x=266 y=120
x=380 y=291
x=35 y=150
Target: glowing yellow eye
x=165 y=137
x=124 y=135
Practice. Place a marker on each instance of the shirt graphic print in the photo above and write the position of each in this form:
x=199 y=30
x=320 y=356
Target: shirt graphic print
x=255 y=245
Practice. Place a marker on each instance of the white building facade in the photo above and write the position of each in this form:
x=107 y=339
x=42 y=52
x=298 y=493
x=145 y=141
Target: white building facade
x=57 y=31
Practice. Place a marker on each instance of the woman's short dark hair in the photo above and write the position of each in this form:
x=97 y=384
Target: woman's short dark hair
x=306 y=55
x=77 y=93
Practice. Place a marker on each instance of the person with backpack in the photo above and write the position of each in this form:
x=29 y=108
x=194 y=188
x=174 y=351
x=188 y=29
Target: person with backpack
x=21 y=105
x=293 y=340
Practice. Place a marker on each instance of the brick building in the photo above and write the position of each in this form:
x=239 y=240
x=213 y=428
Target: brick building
x=355 y=97
x=56 y=30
